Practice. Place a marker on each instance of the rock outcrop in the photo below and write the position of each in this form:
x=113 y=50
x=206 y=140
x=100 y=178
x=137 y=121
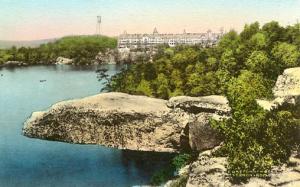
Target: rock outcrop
x=13 y=64
x=214 y=104
x=132 y=122
x=288 y=84
x=110 y=56
x=201 y=135
x=210 y=170
x=286 y=90
x=62 y=60
x=124 y=56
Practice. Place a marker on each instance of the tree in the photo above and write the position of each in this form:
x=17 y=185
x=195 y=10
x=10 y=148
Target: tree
x=258 y=62
x=149 y=71
x=230 y=41
x=184 y=57
x=243 y=68
x=163 y=89
x=258 y=41
x=176 y=80
x=255 y=139
x=228 y=62
x=274 y=33
x=249 y=31
x=144 y=88
x=287 y=55
x=243 y=90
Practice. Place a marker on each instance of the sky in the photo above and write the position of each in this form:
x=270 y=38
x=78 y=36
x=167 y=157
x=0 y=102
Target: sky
x=43 y=19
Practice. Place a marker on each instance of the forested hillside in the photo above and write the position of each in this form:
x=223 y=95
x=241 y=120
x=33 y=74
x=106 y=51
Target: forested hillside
x=82 y=49
x=243 y=67
x=262 y=52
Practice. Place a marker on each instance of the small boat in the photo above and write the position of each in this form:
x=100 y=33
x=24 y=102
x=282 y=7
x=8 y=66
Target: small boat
x=43 y=80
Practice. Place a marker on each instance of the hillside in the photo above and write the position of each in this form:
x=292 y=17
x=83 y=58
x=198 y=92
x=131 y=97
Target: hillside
x=82 y=49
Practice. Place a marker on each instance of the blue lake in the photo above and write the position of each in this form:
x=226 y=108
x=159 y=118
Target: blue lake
x=33 y=162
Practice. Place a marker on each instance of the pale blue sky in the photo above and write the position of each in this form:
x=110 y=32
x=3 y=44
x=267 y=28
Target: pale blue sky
x=40 y=19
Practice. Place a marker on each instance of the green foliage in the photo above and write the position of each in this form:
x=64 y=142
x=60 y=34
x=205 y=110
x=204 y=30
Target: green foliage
x=177 y=163
x=287 y=55
x=243 y=67
x=196 y=71
x=258 y=41
x=161 y=176
x=243 y=90
x=255 y=139
x=255 y=142
x=82 y=49
x=181 y=160
x=258 y=62
x=144 y=88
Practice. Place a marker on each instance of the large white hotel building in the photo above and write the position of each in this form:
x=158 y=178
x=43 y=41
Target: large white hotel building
x=135 y=41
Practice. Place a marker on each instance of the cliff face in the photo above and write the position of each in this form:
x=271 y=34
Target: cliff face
x=132 y=122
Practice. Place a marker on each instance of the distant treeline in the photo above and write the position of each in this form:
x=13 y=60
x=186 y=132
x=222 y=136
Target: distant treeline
x=82 y=49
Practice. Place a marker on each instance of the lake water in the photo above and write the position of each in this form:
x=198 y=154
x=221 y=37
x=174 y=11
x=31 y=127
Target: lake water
x=33 y=162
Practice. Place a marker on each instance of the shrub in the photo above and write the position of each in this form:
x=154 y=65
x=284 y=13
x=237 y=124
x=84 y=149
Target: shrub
x=177 y=163
x=255 y=139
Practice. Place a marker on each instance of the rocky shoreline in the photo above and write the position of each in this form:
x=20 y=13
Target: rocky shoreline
x=110 y=56
x=13 y=64
x=147 y=124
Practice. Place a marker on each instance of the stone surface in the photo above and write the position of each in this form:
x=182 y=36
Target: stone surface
x=62 y=60
x=286 y=90
x=120 y=56
x=288 y=84
x=110 y=119
x=201 y=135
x=110 y=56
x=128 y=122
x=13 y=63
x=209 y=170
x=207 y=104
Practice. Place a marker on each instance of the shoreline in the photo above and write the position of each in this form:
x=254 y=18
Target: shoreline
x=51 y=64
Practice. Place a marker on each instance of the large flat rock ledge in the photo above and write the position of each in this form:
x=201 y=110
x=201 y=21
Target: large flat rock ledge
x=132 y=122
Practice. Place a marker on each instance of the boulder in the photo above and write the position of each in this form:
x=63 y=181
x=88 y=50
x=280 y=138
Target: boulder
x=129 y=122
x=62 y=60
x=286 y=90
x=202 y=110
x=208 y=171
x=288 y=84
x=201 y=135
